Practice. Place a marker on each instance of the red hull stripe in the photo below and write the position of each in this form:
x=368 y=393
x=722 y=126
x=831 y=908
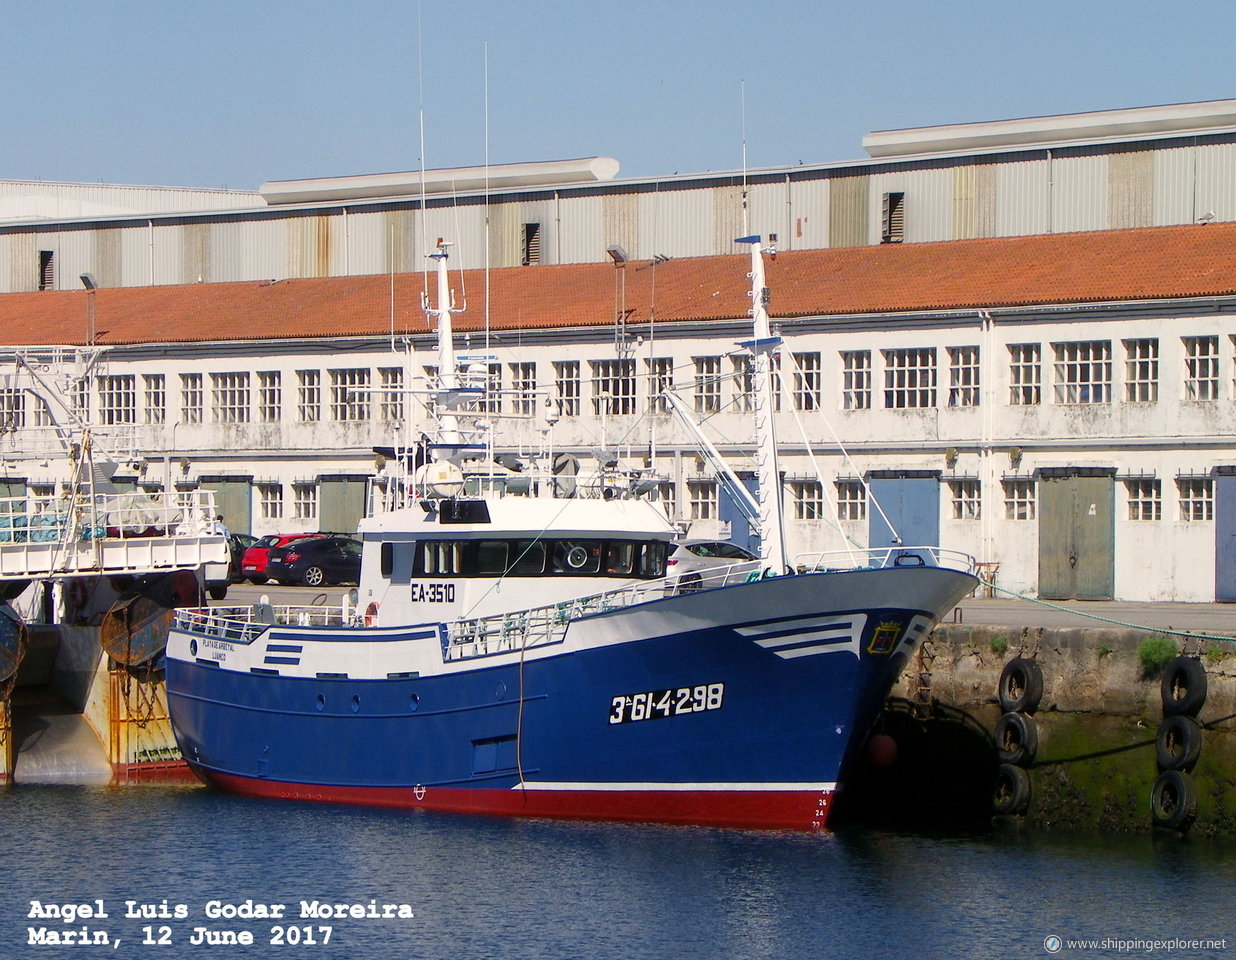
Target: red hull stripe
x=760 y=809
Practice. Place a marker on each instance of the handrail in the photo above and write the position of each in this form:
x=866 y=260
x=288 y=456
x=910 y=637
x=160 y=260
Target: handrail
x=123 y=516
x=823 y=561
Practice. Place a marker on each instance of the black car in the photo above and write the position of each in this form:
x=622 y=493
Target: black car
x=316 y=561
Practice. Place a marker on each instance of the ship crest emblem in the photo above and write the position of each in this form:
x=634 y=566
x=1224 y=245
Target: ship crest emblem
x=885 y=636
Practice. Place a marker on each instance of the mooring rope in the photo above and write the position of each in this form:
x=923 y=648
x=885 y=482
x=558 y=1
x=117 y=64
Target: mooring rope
x=1103 y=619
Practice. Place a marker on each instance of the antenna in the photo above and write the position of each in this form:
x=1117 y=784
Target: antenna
x=487 y=196
x=746 y=217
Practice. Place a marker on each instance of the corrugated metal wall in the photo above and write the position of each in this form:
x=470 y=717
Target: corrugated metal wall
x=1001 y=195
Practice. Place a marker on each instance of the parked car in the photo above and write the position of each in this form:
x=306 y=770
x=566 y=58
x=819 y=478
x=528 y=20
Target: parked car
x=690 y=560
x=220 y=576
x=253 y=566
x=316 y=561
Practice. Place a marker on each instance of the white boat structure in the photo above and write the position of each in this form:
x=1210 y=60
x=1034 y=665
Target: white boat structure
x=527 y=654
x=89 y=575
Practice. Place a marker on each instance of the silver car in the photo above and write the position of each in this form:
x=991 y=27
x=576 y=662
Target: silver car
x=691 y=561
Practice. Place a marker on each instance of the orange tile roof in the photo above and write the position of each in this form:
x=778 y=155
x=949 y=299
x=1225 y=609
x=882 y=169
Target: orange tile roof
x=1117 y=265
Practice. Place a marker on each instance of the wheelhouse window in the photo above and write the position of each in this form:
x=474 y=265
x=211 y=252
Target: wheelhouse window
x=586 y=557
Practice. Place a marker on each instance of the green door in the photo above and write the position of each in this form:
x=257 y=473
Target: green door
x=341 y=504
x=1077 y=536
x=233 y=499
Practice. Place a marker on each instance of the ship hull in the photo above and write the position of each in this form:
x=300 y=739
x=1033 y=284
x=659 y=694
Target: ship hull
x=733 y=707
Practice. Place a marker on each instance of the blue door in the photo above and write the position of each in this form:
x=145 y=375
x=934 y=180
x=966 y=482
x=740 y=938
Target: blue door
x=1225 y=535
x=910 y=500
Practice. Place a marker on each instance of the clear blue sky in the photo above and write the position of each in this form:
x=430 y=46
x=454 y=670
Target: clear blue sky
x=229 y=93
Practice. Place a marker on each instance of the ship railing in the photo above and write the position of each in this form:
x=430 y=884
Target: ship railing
x=244 y=624
x=538 y=626
x=878 y=558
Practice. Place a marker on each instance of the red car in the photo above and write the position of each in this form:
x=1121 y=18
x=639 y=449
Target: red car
x=253 y=566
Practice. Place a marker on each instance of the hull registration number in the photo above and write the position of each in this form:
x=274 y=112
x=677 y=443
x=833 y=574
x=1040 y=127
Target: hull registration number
x=656 y=704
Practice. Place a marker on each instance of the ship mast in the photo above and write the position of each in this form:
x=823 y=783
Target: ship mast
x=763 y=348
x=449 y=399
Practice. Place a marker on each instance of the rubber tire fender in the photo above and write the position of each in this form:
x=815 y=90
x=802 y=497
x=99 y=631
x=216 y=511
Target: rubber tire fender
x=1016 y=738
x=1173 y=800
x=1010 y=794
x=1178 y=743
x=1183 y=687
x=1021 y=686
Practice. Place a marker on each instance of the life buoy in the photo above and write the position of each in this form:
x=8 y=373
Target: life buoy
x=1178 y=743
x=1021 y=686
x=1183 y=687
x=371 y=614
x=78 y=593
x=1173 y=800
x=1017 y=739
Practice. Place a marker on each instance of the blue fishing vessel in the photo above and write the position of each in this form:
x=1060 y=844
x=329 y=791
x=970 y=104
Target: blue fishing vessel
x=527 y=654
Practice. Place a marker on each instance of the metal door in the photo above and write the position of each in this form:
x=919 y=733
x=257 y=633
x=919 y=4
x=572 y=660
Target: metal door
x=1225 y=535
x=1077 y=535
x=910 y=501
x=742 y=531
x=233 y=501
x=341 y=504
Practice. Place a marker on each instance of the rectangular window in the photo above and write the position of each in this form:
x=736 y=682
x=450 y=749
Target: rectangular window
x=743 y=365
x=808 y=497
x=523 y=388
x=910 y=378
x=613 y=387
x=707 y=384
x=1197 y=498
x=1083 y=371
x=667 y=496
x=229 y=397
x=47 y=269
x=1025 y=374
x=566 y=387
x=851 y=500
x=155 y=407
x=191 y=397
x=491 y=402
x=270 y=396
x=966 y=499
x=390 y=400
x=12 y=409
x=1141 y=370
x=1145 y=498
x=1020 y=502
x=893 y=218
x=309 y=395
x=270 y=500
x=963 y=376
x=660 y=380
x=305 y=501
x=349 y=394
x=532 y=245
x=701 y=499
x=855 y=379
x=118 y=399
x=808 y=380
x=1201 y=368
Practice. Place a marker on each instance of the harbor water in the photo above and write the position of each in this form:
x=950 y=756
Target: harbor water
x=171 y=866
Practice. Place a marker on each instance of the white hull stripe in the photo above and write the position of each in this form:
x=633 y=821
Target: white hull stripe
x=677 y=787
x=803 y=624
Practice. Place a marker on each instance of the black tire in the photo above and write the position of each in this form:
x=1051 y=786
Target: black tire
x=314 y=577
x=1173 y=801
x=1021 y=686
x=218 y=591
x=1178 y=743
x=1017 y=739
x=258 y=580
x=1183 y=687
x=1011 y=792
